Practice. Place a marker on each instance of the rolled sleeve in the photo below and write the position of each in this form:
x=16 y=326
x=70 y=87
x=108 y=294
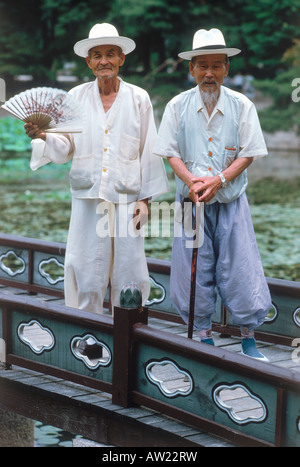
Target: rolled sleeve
x=167 y=142
x=57 y=148
x=153 y=175
x=251 y=139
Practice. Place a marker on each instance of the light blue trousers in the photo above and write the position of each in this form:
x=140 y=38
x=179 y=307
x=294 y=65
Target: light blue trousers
x=228 y=262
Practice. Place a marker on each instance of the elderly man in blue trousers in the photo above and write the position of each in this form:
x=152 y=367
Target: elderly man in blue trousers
x=210 y=135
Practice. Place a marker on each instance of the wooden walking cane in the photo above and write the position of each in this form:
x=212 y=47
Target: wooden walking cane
x=193 y=279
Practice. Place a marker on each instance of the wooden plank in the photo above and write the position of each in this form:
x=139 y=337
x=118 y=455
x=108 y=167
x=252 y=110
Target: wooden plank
x=91 y=413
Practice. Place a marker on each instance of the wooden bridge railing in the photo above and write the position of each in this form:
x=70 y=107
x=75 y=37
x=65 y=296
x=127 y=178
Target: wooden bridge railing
x=128 y=359
x=38 y=267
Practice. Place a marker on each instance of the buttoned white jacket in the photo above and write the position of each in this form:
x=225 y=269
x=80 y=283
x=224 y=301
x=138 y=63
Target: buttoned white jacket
x=112 y=158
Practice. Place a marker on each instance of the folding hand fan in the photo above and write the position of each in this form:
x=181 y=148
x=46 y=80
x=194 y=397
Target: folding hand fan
x=53 y=110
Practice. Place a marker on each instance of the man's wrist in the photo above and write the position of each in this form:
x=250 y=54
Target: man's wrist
x=224 y=182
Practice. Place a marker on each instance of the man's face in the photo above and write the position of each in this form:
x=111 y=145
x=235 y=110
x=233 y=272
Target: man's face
x=105 y=61
x=209 y=71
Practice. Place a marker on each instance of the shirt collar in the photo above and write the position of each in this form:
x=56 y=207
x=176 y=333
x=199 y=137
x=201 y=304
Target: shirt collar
x=220 y=105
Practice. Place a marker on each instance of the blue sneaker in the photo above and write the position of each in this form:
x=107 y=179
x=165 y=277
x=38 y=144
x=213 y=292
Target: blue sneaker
x=249 y=349
x=208 y=341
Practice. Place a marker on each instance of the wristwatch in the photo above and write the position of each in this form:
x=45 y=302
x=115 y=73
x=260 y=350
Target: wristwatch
x=223 y=180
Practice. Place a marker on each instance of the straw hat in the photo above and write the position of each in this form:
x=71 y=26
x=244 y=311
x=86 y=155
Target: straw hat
x=103 y=34
x=207 y=43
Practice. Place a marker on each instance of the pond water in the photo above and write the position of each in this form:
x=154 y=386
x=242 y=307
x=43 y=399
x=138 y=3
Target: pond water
x=49 y=436
x=37 y=204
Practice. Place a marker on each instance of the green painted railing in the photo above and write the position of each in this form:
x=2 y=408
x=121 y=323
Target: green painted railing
x=38 y=267
x=141 y=365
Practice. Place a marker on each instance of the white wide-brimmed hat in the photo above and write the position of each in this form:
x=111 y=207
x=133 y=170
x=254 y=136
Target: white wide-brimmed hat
x=103 y=34
x=207 y=43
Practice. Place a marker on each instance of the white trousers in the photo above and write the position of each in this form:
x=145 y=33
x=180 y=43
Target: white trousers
x=103 y=248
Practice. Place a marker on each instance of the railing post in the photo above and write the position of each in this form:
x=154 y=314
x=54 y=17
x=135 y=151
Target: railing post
x=125 y=316
x=280 y=418
x=5 y=341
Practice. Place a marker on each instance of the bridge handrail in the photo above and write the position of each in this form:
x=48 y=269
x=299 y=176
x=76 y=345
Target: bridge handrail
x=135 y=350
x=34 y=256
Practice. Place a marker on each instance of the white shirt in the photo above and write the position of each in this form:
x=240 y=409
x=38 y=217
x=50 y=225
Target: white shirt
x=112 y=158
x=208 y=145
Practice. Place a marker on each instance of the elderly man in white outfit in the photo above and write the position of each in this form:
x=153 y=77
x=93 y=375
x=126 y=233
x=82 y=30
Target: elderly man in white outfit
x=210 y=135
x=113 y=176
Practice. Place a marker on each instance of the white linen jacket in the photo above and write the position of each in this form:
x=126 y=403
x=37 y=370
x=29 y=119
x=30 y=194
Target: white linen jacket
x=112 y=158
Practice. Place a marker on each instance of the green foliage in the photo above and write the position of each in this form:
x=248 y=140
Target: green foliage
x=37 y=36
x=284 y=112
x=276 y=119
x=268 y=28
x=13 y=136
x=270 y=191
